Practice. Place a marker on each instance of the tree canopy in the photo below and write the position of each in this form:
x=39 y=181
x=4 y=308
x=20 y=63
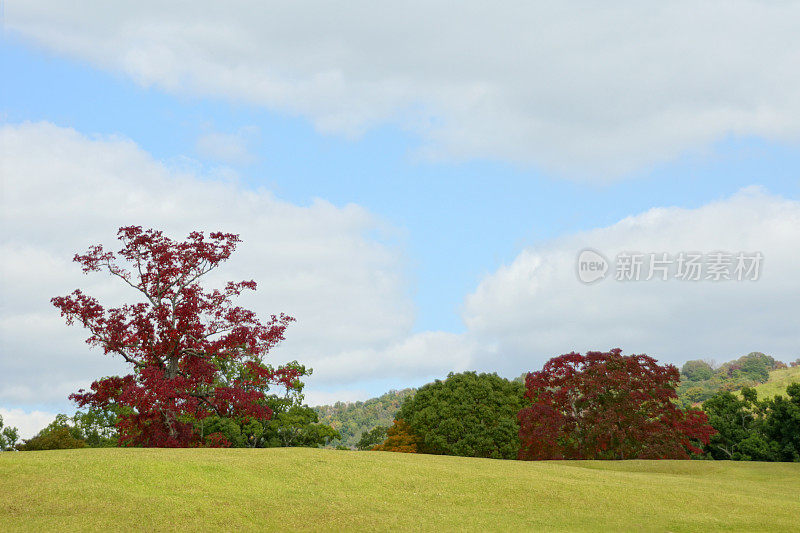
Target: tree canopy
x=8 y=436
x=605 y=405
x=750 y=429
x=468 y=414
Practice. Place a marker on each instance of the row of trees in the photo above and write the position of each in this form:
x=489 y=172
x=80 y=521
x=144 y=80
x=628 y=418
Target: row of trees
x=601 y=405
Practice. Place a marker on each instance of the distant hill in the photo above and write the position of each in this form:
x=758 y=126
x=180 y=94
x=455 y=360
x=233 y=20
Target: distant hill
x=778 y=381
x=351 y=419
x=700 y=380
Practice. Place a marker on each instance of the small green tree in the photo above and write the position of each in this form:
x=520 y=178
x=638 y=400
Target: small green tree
x=297 y=426
x=96 y=426
x=468 y=414
x=8 y=436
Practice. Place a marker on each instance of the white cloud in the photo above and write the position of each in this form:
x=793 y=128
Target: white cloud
x=62 y=191
x=29 y=423
x=535 y=307
x=587 y=89
x=314 y=398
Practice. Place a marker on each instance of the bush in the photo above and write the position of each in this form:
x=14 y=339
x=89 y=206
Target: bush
x=52 y=438
x=400 y=438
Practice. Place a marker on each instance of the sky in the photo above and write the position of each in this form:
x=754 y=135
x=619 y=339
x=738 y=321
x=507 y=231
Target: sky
x=413 y=183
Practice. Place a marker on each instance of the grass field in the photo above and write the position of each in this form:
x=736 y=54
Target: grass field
x=310 y=489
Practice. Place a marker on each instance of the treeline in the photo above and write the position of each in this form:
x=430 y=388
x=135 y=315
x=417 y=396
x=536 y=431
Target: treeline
x=602 y=405
x=368 y=423
x=292 y=424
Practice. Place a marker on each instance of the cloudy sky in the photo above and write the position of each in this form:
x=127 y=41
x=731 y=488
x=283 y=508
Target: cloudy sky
x=412 y=181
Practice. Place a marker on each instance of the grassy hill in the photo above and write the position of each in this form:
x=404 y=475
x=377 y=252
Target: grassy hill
x=295 y=488
x=778 y=381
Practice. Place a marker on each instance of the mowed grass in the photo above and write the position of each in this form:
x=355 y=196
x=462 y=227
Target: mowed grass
x=292 y=489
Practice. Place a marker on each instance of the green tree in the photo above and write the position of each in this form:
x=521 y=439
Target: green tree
x=297 y=426
x=8 y=436
x=697 y=370
x=753 y=430
x=96 y=426
x=468 y=414
x=756 y=365
x=736 y=421
x=59 y=435
x=782 y=424
x=372 y=438
x=292 y=423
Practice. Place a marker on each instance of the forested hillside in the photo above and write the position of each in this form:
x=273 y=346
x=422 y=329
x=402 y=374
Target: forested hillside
x=351 y=419
x=700 y=380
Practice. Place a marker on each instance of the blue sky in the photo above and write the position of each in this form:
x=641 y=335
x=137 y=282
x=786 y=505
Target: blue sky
x=462 y=159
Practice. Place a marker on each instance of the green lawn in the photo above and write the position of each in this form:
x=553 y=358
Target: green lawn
x=295 y=488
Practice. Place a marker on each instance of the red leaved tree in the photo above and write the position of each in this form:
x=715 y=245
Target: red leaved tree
x=605 y=405
x=192 y=353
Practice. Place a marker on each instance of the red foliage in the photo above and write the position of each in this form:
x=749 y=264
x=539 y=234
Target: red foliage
x=605 y=405
x=192 y=352
x=217 y=440
x=399 y=438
